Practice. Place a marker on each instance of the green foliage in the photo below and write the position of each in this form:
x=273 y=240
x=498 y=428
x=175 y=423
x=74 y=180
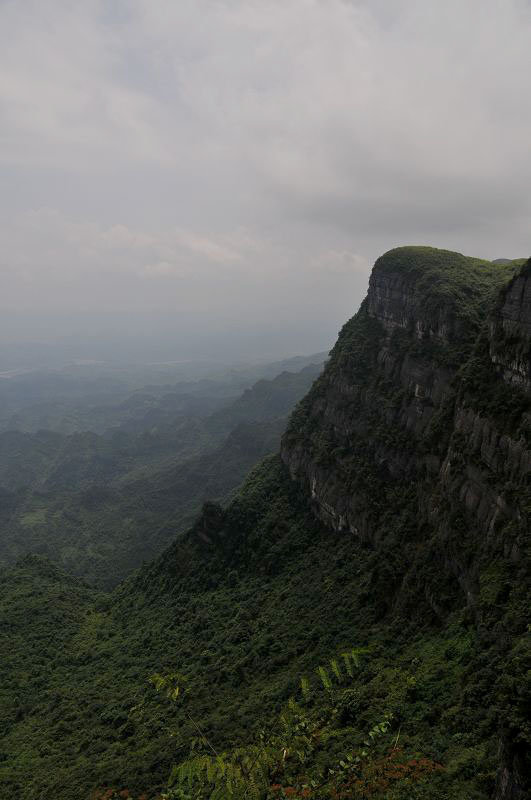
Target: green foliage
x=79 y=716
x=306 y=752
x=483 y=389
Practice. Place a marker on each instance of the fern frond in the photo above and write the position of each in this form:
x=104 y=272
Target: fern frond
x=336 y=670
x=325 y=678
x=348 y=666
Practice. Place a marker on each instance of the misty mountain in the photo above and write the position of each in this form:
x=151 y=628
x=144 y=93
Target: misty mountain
x=100 y=504
x=98 y=397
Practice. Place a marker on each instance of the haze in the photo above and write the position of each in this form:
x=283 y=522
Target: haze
x=202 y=178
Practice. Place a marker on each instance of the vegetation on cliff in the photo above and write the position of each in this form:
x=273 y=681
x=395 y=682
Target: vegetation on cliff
x=403 y=533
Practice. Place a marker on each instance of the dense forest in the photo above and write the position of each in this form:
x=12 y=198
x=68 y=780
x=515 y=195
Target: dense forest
x=352 y=623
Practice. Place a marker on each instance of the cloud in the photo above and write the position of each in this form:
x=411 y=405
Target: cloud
x=161 y=269
x=340 y=262
x=217 y=252
x=52 y=260
x=250 y=148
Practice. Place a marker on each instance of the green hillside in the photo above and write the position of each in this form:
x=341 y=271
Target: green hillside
x=243 y=616
x=395 y=523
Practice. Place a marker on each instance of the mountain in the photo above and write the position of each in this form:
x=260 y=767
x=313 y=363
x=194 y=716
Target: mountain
x=100 y=504
x=100 y=397
x=396 y=518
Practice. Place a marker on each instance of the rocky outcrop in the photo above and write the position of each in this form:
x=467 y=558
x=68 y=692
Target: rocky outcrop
x=394 y=299
x=390 y=407
x=399 y=414
x=424 y=411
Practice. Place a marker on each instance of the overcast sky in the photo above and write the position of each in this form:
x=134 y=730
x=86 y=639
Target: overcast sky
x=227 y=171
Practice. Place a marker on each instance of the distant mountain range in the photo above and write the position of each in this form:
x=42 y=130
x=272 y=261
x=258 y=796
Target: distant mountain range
x=100 y=504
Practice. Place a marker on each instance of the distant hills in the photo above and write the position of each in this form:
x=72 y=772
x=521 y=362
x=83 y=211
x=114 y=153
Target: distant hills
x=100 y=504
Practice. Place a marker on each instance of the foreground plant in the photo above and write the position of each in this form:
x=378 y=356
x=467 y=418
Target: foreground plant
x=304 y=754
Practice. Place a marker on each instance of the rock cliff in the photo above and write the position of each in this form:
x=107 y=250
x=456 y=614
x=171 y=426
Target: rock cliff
x=420 y=391
x=418 y=434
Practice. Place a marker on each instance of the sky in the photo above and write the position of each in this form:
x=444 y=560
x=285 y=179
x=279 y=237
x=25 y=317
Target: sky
x=215 y=178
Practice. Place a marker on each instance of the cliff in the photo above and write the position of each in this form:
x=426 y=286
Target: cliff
x=419 y=394
x=417 y=435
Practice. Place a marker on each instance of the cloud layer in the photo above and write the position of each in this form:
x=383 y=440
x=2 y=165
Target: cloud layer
x=250 y=159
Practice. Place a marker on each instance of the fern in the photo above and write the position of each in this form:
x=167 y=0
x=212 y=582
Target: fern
x=325 y=678
x=305 y=687
x=348 y=665
x=297 y=757
x=336 y=670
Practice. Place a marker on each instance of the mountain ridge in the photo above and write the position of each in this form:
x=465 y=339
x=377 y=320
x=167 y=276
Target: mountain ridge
x=397 y=519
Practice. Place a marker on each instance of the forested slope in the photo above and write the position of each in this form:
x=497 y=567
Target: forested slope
x=403 y=528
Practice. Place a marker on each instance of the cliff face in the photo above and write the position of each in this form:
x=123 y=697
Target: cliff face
x=417 y=392
x=510 y=332
x=418 y=433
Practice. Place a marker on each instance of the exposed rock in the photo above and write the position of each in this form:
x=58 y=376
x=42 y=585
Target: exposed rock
x=510 y=331
x=397 y=421
x=387 y=415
